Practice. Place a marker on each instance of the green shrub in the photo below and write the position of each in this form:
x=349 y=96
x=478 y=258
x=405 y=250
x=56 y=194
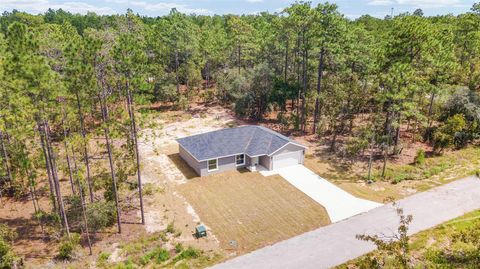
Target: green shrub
x=101 y=215
x=420 y=157
x=102 y=259
x=189 y=253
x=68 y=246
x=179 y=248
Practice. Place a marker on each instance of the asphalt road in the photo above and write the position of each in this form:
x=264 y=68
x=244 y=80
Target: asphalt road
x=336 y=244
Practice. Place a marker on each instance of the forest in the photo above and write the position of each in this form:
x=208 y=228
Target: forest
x=75 y=89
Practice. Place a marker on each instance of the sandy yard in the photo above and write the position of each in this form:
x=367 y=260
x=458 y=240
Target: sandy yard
x=163 y=173
x=247 y=211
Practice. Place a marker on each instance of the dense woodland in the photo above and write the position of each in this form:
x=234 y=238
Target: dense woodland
x=71 y=86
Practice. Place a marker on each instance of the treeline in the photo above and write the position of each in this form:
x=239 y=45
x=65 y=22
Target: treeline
x=69 y=85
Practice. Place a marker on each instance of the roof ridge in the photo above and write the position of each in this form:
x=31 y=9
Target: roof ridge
x=249 y=140
x=214 y=131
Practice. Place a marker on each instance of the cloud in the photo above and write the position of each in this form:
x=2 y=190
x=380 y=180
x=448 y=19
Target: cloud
x=429 y=3
x=417 y=3
x=165 y=6
x=381 y=2
x=254 y=1
x=40 y=6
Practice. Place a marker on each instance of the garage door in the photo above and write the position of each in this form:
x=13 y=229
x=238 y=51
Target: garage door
x=287 y=159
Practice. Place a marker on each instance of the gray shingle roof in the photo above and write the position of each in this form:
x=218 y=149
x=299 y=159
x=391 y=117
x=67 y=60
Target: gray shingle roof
x=250 y=139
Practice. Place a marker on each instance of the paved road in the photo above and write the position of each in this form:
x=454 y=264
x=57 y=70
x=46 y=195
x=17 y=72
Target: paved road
x=335 y=244
x=339 y=204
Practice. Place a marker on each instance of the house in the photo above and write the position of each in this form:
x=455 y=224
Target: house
x=240 y=147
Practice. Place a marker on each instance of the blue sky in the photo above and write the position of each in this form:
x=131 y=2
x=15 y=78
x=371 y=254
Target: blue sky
x=352 y=9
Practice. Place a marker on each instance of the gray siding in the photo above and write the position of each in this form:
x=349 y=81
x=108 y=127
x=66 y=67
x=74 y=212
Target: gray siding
x=266 y=162
x=224 y=164
x=192 y=162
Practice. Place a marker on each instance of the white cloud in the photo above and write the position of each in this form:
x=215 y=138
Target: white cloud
x=417 y=3
x=165 y=6
x=254 y=1
x=40 y=6
x=381 y=2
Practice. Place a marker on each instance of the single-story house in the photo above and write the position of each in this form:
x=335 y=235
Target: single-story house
x=240 y=147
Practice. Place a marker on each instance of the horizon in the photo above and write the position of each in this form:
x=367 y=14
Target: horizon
x=149 y=8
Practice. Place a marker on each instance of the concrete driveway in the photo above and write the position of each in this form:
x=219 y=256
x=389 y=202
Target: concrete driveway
x=339 y=204
x=336 y=244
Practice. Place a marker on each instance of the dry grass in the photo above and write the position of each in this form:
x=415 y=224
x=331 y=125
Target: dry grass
x=251 y=209
x=436 y=171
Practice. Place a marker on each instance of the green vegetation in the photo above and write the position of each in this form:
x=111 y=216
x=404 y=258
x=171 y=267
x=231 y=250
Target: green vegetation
x=68 y=245
x=8 y=259
x=453 y=165
x=75 y=91
x=454 y=244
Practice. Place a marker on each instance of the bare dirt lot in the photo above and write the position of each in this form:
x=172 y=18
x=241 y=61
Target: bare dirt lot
x=247 y=210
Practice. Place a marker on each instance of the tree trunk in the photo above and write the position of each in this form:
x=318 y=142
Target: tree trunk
x=85 y=151
x=82 y=201
x=370 y=160
x=316 y=113
x=304 y=77
x=53 y=195
x=430 y=109
x=65 y=143
x=6 y=162
x=177 y=80
x=239 y=52
x=106 y=129
x=385 y=157
x=137 y=152
x=55 y=177
x=208 y=75
x=286 y=61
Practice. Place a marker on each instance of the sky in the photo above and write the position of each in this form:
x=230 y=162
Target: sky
x=351 y=9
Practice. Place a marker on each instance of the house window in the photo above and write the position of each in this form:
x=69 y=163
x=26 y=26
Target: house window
x=212 y=165
x=240 y=159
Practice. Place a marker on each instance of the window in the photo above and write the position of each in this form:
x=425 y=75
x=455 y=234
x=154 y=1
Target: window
x=240 y=159
x=212 y=165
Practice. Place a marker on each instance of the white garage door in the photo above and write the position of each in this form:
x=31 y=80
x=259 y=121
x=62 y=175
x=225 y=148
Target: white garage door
x=287 y=159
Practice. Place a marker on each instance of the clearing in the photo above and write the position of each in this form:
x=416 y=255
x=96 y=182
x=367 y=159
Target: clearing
x=247 y=210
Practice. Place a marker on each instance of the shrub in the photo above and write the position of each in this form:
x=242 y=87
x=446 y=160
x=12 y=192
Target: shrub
x=101 y=215
x=420 y=157
x=158 y=254
x=68 y=246
x=189 y=253
x=102 y=259
x=179 y=248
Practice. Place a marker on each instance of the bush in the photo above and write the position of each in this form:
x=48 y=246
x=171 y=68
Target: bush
x=101 y=215
x=68 y=246
x=189 y=253
x=158 y=254
x=178 y=247
x=419 y=157
x=102 y=259
x=447 y=134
